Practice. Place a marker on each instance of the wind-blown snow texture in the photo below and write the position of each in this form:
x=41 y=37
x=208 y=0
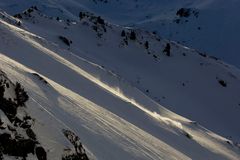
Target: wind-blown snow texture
x=112 y=92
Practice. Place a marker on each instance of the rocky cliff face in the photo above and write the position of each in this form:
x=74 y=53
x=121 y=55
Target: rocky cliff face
x=17 y=138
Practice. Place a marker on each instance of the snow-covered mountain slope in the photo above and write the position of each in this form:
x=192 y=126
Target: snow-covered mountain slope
x=210 y=27
x=143 y=63
x=108 y=85
x=213 y=30
x=111 y=124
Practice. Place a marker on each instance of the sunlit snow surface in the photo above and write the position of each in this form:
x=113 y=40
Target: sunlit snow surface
x=93 y=91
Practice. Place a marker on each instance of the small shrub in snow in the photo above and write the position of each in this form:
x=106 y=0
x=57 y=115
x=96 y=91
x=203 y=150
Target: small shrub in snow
x=154 y=32
x=19 y=23
x=31 y=134
x=146 y=44
x=21 y=95
x=41 y=153
x=65 y=40
x=133 y=35
x=123 y=34
x=202 y=54
x=100 y=20
x=167 y=49
x=19 y=16
x=213 y=57
x=229 y=142
x=177 y=21
x=125 y=41
x=188 y=135
x=81 y=15
x=183 y=12
x=222 y=82
x=2 y=90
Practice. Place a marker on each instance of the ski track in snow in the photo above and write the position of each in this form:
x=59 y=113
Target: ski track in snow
x=132 y=139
